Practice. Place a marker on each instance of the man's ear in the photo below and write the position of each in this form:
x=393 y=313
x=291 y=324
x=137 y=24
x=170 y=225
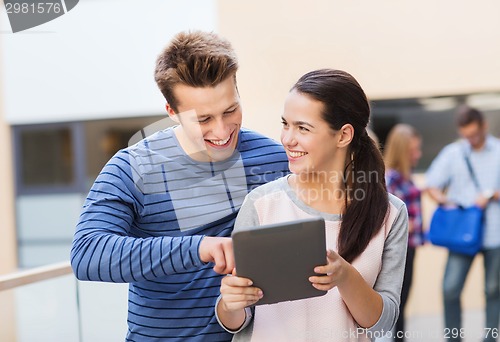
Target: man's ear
x=345 y=135
x=171 y=113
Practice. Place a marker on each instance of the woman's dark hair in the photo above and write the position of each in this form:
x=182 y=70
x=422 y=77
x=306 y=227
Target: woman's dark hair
x=367 y=201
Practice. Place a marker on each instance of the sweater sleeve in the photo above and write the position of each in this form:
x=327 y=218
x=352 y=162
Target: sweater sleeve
x=390 y=279
x=103 y=248
x=247 y=217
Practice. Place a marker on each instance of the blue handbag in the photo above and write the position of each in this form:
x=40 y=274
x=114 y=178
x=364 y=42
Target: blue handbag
x=457 y=228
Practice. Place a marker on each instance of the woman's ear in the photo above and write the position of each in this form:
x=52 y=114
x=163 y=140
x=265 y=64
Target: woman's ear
x=345 y=134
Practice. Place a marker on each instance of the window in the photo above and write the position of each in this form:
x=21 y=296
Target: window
x=47 y=157
x=67 y=157
x=55 y=166
x=434 y=118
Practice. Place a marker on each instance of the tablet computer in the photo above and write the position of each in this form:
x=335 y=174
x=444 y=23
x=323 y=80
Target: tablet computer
x=279 y=258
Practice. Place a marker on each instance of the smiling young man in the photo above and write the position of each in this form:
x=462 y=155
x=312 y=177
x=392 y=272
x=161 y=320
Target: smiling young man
x=210 y=131
x=160 y=213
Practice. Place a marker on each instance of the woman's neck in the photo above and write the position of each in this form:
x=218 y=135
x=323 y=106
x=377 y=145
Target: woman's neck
x=320 y=192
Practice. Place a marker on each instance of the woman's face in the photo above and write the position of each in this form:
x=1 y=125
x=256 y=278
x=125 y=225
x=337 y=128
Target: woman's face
x=307 y=138
x=415 y=150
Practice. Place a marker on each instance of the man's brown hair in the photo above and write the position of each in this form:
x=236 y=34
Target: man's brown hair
x=195 y=59
x=466 y=115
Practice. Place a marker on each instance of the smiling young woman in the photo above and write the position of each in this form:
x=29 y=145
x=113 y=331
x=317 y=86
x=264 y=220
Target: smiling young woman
x=328 y=148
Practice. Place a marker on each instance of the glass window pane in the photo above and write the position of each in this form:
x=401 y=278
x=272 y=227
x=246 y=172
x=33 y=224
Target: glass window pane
x=46 y=157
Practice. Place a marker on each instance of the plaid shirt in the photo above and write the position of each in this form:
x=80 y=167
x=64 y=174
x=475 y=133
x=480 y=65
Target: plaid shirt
x=407 y=191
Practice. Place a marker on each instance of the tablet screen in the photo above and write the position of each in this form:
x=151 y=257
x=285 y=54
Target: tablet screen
x=279 y=258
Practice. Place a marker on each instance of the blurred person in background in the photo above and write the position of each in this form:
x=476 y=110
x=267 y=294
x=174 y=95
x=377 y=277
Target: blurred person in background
x=449 y=171
x=401 y=154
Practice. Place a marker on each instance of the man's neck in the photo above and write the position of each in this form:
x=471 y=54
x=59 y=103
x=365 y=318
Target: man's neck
x=479 y=147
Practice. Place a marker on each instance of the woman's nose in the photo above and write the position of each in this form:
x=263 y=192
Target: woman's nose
x=287 y=137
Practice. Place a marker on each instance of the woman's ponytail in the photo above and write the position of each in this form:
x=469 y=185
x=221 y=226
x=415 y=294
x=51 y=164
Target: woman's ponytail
x=366 y=201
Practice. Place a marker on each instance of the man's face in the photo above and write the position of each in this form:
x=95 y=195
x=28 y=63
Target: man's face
x=475 y=133
x=210 y=120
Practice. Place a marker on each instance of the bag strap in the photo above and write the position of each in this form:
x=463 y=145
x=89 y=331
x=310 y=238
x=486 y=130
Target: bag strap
x=471 y=171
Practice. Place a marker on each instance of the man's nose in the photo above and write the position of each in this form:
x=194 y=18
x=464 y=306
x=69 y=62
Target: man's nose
x=220 y=129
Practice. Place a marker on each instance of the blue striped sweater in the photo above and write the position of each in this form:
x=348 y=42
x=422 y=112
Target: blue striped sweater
x=144 y=219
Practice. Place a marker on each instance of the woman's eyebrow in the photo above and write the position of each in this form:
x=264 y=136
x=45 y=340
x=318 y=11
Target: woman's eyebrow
x=302 y=123
x=298 y=123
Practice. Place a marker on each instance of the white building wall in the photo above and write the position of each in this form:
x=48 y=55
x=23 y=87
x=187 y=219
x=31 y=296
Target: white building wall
x=97 y=61
x=395 y=49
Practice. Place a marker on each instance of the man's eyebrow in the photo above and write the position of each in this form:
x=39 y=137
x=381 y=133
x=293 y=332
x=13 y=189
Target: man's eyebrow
x=202 y=116
x=234 y=104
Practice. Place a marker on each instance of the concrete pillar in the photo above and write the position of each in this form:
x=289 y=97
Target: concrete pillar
x=8 y=243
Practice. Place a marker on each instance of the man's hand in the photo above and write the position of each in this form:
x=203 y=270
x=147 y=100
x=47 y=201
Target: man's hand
x=218 y=250
x=486 y=197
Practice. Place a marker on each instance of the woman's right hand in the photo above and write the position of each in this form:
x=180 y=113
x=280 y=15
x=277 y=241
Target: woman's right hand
x=237 y=293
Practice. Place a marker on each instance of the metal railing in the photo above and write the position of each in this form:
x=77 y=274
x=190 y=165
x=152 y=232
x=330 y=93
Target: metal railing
x=34 y=275
x=48 y=303
x=37 y=276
